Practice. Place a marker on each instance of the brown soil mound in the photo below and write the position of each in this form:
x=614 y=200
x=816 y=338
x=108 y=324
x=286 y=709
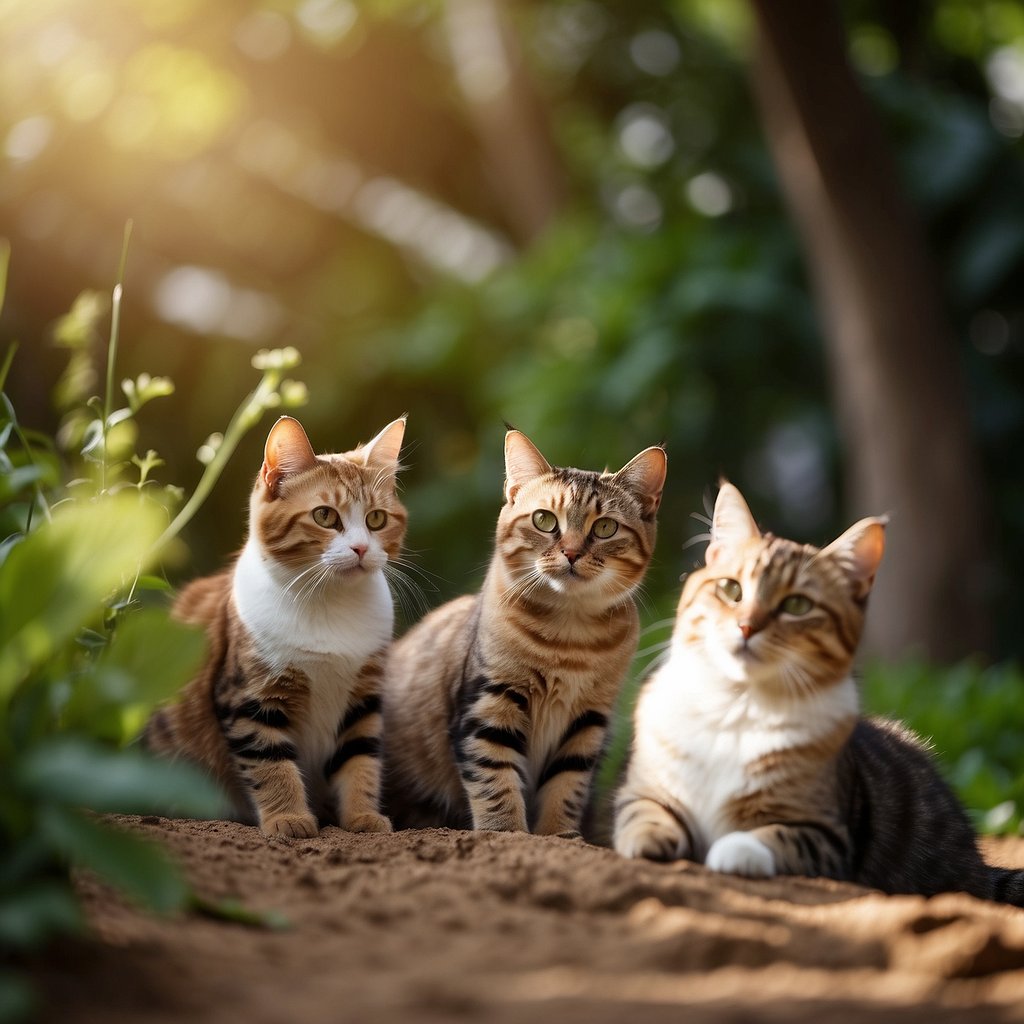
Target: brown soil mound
x=432 y=926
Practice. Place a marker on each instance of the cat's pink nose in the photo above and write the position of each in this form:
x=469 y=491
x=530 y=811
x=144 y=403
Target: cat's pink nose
x=747 y=629
x=360 y=550
x=571 y=554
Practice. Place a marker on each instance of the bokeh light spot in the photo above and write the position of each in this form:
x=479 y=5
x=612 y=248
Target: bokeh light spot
x=644 y=135
x=204 y=301
x=655 y=52
x=28 y=138
x=176 y=102
x=873 y=50
x=636 y=206
x=263 y=35
x=709 y=193
x=327 y=21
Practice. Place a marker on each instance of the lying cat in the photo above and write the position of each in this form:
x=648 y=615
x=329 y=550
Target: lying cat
x=749 y=754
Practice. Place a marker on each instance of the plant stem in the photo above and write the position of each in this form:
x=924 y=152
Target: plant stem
x=246 y=416
x=5 y=260
x=115 y=332
x=8 y=360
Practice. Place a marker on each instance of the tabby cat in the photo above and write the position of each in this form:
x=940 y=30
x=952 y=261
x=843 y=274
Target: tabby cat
x=749 y=754
x=496 y=704
x=285 y=713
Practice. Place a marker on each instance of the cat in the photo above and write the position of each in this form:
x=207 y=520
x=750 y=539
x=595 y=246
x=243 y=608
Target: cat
x=285 y=712
x=749 y=751
x=496 y=704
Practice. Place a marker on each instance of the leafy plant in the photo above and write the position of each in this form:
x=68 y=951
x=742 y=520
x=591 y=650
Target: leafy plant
x=87 y=647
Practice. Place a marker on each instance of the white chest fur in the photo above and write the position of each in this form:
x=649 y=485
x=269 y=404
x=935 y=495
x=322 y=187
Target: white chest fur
x=328 y=636
x=697 y=734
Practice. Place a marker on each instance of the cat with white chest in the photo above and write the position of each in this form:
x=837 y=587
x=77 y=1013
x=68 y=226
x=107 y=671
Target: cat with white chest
x=749 y=753
x=285 y=713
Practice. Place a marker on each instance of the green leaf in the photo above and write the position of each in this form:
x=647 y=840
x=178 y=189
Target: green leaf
x=148 y=659
x=18 y=480
x=59 y=576
x=93 y=437
x=80 y=773
x=31 y=915
x=140 y=869
x=160 y=653
x=157 y=583
x=118 y=416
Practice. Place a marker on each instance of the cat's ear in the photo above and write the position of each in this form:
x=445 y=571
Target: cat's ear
x=644 y=475
x=523 y=462
x=859 y=551
x=731 y=523
x=288 y=451
x=382 y=452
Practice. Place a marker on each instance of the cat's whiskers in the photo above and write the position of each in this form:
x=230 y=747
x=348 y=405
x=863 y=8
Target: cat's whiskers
x=638 y=591
x=659 y=624
x=287 y=593
x=522 y=586
x=798 y=680
x=408 y=567
x=661 y=646
x=406 y=590
x=312 y=586
x=295 y=579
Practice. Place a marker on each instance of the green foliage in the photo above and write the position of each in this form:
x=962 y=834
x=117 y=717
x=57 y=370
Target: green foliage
x=974 y=717
x=78 y=669
x=87 y=648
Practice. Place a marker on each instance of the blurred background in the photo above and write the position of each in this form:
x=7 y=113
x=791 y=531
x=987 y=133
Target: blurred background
x=786 y=239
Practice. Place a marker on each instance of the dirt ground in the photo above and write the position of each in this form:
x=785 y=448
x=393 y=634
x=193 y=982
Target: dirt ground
x=441 y=926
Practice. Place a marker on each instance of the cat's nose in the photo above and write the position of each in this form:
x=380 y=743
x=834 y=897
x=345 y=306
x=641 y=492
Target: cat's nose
x=360 y=550
x=748 y=628
x=571 y=554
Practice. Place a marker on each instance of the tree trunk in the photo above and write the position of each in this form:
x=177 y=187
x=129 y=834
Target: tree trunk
x=900 y=402
x=506 y=114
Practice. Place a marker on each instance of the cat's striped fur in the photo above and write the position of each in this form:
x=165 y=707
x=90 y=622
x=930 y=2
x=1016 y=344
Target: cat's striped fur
x=496 y=705
x=749 y=754
x=285 y=713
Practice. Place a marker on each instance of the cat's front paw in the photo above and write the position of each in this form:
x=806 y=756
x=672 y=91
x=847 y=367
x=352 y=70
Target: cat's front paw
x=290 y=826
x=650 y=841
x=740 y=853
x=369 y=822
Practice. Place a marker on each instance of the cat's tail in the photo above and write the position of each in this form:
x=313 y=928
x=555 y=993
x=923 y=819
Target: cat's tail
x=1005 y=885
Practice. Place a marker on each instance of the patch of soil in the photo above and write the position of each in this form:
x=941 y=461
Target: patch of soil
x=443 y=926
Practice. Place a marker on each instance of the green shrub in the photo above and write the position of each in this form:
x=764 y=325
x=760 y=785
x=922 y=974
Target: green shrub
x=974 y=717
x=87 y=647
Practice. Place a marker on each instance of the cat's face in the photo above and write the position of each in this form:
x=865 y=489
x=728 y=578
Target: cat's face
x=768 y=611
x=324 y=518
x=576 y=534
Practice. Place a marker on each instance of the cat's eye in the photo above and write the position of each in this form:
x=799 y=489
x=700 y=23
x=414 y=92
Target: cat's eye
x=730 y=590
x=546 y=522
x=605 y=528
x=325 y=516
x=376 y=519
x=796 y=604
